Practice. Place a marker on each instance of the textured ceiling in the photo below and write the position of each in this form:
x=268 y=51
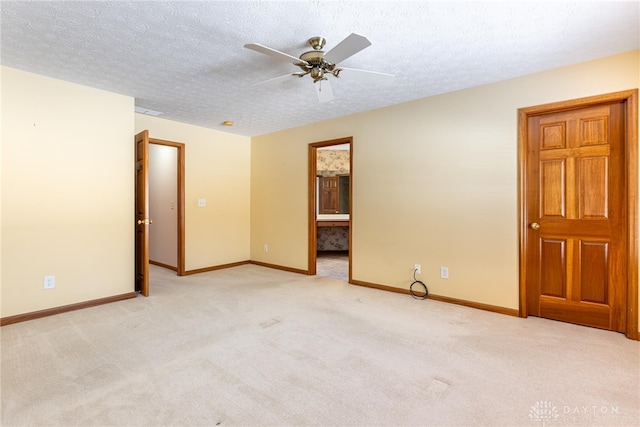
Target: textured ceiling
x=187 y=60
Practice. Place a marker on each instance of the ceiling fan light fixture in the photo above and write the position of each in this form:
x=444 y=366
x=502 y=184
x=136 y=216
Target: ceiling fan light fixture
x=317 y=73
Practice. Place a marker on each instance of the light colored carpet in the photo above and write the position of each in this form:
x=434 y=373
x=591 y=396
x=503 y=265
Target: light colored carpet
x=256 y=346
x=332 y=264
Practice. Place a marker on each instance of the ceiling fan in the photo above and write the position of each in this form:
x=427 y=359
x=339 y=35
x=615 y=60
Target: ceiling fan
x=319 y=64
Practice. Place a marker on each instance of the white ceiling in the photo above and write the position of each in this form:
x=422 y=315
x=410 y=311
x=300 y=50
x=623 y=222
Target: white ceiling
x=186 y=59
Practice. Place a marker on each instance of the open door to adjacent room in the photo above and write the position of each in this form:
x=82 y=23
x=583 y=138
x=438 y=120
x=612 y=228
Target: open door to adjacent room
x=330 y=201
x=166 y=202
x=142 y=220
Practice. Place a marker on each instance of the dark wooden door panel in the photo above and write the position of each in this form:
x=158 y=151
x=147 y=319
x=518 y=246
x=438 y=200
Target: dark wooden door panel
x=593 y=186
x=594 y=315
x=575 y=259
x=142 y=213
x=329 y=202
x=553 y=268
x=553 y=185
x=593 y=267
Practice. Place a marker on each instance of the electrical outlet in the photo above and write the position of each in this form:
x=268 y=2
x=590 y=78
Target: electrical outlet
x=444 y=272
x=266 y=248
x=417 y=269
x=49 y=282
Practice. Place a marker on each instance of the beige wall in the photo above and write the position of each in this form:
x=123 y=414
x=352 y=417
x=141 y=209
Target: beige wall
x=217 y=169
x=434 y=183
x=67 y=193
x=163 y=204
x=279 y=198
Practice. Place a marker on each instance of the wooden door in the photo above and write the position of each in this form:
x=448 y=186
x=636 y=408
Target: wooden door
x=575 y=207
x=329 y=201
x=142 y=213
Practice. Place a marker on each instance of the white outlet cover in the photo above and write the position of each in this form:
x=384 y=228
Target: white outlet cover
x=202 y=203
x=49 y=282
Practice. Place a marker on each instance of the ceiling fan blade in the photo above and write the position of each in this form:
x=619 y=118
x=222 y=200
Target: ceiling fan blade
x=353 y=44
x=274 y=53
x=323 y=90
x=276 y=79
x=365 y=76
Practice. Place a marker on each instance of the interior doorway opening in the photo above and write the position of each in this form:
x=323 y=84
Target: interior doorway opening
x=143 y=220
x=330 y=208
x=166 y=204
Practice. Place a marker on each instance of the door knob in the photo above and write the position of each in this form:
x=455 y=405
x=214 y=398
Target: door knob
x=535 y=226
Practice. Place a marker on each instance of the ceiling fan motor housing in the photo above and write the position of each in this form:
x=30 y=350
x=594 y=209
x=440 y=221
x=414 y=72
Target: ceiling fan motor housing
x=317 y=66
x=313 y=57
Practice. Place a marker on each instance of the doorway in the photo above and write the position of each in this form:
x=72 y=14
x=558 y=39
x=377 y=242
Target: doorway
x=578 y=211
x=330 y=208
x=142 y=218
x=166 y=204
